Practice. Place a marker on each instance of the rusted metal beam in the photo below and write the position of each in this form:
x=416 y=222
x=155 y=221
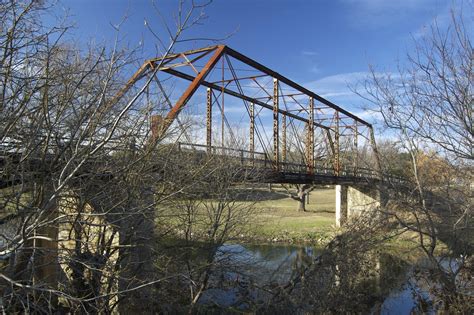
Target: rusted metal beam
x=337 y=166
x=283 y=138
x=310 y=138
x=139 y=74
x=252 y=130
x=192 y=88
x=252 y=77
x=222 y=105
x=189 y=63
x=291 y=83
x=189 y=52
x=276 y=123
x=170 y=105
x=241 y=96
x=356 y=149
x=209 y=121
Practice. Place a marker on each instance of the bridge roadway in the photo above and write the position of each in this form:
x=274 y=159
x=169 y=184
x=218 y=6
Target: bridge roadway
x=258 y=167
x=254 y=167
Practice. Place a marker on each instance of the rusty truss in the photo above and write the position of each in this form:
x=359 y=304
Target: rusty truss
x=242 y=108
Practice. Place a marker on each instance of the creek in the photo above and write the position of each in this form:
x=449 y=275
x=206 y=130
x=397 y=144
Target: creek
x=245 y=270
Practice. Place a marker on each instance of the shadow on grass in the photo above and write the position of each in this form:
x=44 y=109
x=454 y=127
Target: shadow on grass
x=321 y=211
x=257 y=195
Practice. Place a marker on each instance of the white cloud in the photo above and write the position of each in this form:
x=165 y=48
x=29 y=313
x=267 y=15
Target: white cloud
x=309 y=53
x=340 y=89
x=337 y=85
x=385 y=5
x=314 y=69
x=443 y=19
x=369 y=115
x=376 y=13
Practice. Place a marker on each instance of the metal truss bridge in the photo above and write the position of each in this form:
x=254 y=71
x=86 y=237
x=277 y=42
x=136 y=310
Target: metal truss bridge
x=215 y=101
x=238 y=107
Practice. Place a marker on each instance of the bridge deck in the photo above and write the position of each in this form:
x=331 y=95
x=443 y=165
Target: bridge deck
x=258 y=167
x=254 y=166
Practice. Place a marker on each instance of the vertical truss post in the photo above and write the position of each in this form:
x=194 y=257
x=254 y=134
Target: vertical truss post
x=337 y=165
x=222 y=106
x=276 y=159
x=148 y=113
x=310 y=139
x=156 y=123
x=252 y=132
x=283 y=138
x=356 y=149
x=209 y=121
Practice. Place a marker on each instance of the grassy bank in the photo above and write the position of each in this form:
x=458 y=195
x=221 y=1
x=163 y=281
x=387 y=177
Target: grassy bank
x=273 y=218
x=277 y=219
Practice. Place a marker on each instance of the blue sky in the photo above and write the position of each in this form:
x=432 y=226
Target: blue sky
x=323 y=45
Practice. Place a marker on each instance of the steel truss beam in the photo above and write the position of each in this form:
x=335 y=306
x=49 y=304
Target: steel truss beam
x=310 y=138
x=276 y=125
x=331 y=126
x=209 y=120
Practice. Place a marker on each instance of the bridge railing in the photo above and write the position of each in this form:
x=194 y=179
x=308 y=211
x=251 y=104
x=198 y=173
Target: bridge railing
x=322 y=168
x=262 y=160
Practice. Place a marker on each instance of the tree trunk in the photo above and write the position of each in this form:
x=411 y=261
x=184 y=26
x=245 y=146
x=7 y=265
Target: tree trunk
x=301 y=192
x=301 y=200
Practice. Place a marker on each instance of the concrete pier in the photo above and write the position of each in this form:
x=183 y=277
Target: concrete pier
x=353 y=200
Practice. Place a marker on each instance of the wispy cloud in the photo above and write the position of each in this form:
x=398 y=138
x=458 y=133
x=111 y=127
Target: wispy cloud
x=340 y=89
x=384 y=5
x=338 y=85
x=444 y=18
x=309 y=53
x=314 y=69
x=369 y=115
x=376 y=13
x=311 y=60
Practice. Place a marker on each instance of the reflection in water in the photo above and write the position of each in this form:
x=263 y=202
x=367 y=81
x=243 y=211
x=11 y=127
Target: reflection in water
x=244 y=270
x=247 y=272
x=405 y=300
x=413 y=295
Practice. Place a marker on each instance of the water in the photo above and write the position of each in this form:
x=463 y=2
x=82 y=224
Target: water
x=406 y=300
x=245 y=269
x=265 y=263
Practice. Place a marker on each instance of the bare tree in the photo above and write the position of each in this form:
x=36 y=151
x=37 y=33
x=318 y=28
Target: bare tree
x=428 y=106
x=79 y=172
x=302 y=191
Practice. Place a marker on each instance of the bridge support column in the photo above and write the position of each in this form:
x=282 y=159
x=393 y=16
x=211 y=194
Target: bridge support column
x=45 y=259
x=354 y=200
x=362 y=198
x=137 y=259
x=341 y=204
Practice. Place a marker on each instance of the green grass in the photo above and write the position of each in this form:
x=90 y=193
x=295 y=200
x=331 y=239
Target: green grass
x=277 y=217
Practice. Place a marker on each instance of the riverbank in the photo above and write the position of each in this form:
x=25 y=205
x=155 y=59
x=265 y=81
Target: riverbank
x=278 y=221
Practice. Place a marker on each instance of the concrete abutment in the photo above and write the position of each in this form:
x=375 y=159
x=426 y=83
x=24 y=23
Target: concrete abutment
x=352 y=201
